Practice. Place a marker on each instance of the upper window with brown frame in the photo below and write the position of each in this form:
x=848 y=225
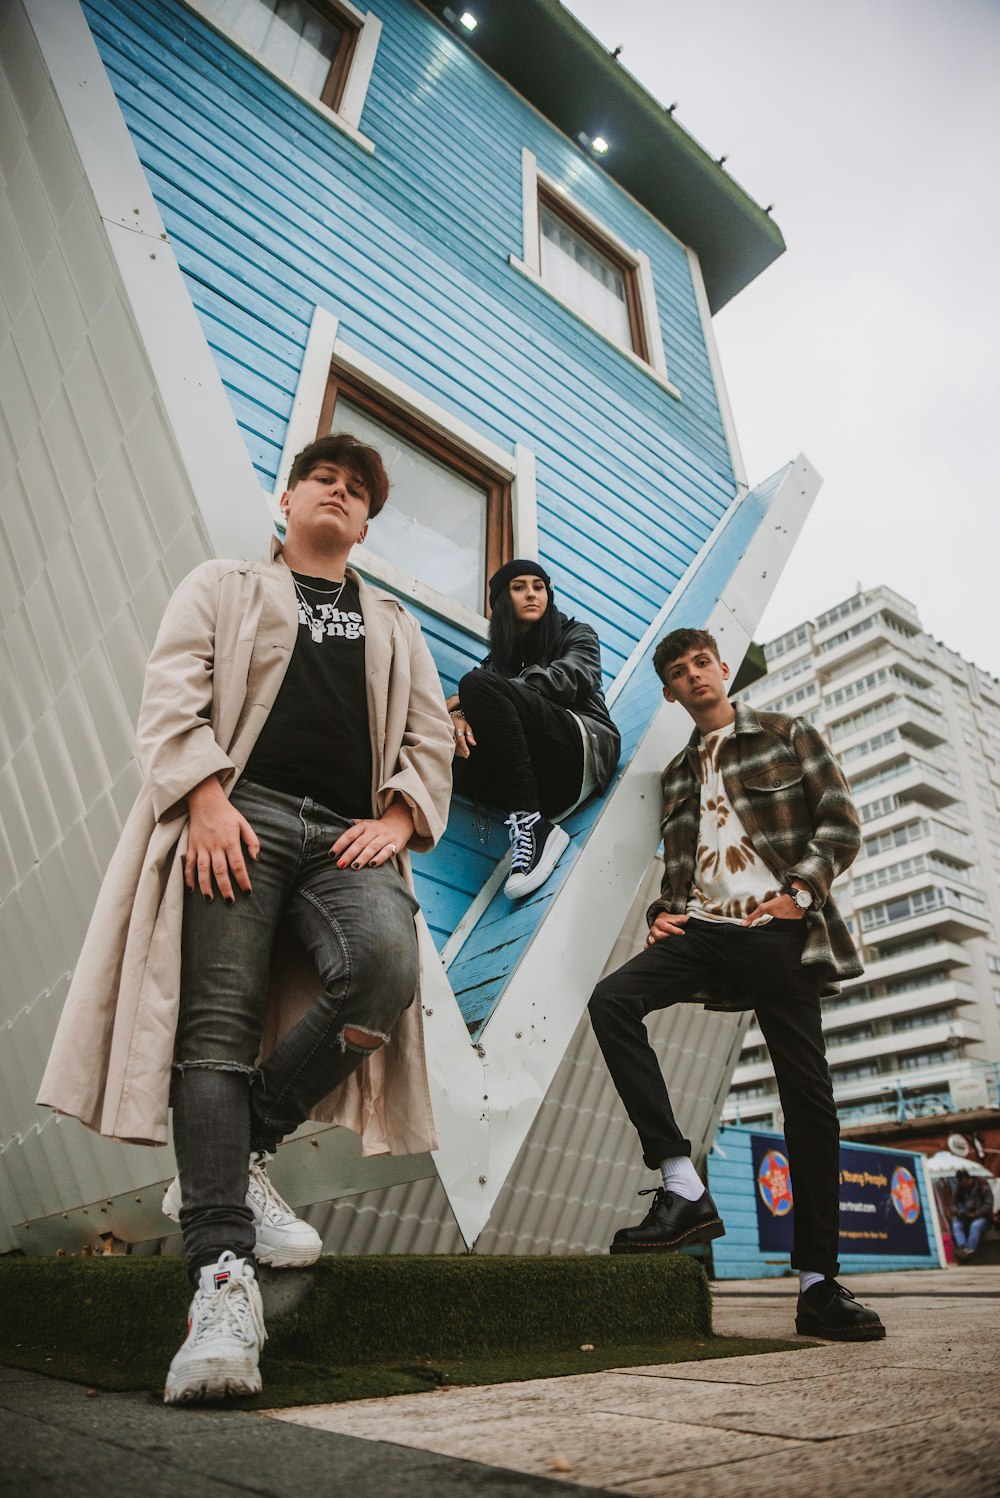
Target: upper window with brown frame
x=448 y=522
x=323 y=49
x=587 y=271
x=607 y=283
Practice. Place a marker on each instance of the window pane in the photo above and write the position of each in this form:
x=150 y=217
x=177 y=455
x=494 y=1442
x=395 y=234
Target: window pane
x=290 y=34
x=588 y=280
x=434 y=525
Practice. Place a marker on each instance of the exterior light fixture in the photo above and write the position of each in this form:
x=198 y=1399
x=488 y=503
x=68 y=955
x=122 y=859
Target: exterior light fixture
x=595 y=144
x=464 y=18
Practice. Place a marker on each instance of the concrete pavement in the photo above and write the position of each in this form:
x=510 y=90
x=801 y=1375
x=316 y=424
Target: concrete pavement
x=917 y=1413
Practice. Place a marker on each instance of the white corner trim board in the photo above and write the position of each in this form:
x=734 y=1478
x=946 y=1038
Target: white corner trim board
x=719 y=379
x=194 y=399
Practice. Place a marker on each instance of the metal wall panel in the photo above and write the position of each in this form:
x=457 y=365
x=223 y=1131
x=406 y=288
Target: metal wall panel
x=89 y=552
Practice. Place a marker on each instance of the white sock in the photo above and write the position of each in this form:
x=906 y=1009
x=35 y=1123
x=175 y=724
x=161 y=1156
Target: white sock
x=808 y=1278
x=681 y=1178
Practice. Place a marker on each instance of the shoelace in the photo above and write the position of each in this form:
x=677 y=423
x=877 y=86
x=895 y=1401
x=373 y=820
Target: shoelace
x=234 y=1305
x=272 y=1203
x=522 y=840
x=659 y=1194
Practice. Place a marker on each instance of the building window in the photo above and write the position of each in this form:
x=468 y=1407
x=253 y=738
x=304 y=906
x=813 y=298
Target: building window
x=585 y=271
x=323 y=49
x=448 y=522
x=588 y=269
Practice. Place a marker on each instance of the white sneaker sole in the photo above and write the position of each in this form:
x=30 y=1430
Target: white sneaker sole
x=209 y=1378
x=270 y=1247
x=519 y=885
x=279 y=1254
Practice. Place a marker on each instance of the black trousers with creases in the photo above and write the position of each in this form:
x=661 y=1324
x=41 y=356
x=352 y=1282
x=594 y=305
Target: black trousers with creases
x=764 y=965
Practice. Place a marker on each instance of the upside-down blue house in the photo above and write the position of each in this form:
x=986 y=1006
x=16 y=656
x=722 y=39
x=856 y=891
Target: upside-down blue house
x=474 y=239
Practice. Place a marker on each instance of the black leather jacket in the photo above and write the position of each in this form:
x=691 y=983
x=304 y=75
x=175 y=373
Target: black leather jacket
x=573 y=680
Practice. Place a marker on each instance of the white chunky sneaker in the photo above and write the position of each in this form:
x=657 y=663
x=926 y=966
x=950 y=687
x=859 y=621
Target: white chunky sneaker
x=225 y=1335
x=536 y=846
x=284 y=1241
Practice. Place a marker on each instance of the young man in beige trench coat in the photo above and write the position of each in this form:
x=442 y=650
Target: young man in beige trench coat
x=252 y=958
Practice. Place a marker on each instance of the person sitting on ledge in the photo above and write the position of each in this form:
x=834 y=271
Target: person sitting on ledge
x=533 y=735
x=971 y=1213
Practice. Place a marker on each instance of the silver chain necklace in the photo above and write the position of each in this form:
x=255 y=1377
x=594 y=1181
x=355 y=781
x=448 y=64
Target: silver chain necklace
x=317 y=627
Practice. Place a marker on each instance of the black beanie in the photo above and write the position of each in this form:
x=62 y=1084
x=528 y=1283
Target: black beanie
x=519 y=567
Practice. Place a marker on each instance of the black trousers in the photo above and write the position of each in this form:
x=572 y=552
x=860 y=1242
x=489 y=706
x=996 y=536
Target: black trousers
x=529 y=751
x=764 y=965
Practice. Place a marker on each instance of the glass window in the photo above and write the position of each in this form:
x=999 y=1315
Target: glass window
x=448 y=520
x=590 y=274
x=310 y=44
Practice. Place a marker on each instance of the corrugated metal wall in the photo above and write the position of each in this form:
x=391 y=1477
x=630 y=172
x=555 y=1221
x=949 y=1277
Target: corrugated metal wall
x=97 y=526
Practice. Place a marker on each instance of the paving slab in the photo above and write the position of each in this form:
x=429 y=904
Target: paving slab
x=831 y=1420
x=58 y=1442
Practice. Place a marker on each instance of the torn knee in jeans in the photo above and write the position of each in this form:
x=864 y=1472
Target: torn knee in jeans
x=230 y=1066
x=361 y=1040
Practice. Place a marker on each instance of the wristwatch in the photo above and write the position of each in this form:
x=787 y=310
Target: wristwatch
x=802 y=897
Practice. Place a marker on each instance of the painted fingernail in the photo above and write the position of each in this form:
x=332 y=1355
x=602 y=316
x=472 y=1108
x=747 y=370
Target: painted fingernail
x=229 y=899
x=209 y=899
x=341 y=863
x=355 y=865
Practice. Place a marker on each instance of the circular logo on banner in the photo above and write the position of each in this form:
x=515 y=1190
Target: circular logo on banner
x=904 y=1194
x=774 y=1183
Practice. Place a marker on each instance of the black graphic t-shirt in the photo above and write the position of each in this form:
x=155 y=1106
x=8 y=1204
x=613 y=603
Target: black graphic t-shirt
x=316 y=740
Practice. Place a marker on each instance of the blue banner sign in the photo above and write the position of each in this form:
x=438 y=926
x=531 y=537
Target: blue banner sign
x=881 y=1211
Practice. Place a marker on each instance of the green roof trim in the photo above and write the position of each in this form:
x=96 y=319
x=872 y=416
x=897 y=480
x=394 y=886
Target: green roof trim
x=544 y=53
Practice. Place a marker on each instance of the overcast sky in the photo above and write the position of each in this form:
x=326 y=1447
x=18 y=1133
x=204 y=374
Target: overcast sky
x=873 y=344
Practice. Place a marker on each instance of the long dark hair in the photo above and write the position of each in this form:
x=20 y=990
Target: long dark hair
x=511 y=651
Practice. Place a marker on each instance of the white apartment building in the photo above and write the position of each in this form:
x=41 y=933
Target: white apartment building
x=917 y=731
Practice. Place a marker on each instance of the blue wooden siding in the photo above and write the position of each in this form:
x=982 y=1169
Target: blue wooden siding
x=272 y=211
x=738 y=1255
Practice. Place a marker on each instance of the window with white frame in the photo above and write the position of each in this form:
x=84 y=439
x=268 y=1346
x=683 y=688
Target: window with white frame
x=448 y=522
x=323 y=49
x=585 y=266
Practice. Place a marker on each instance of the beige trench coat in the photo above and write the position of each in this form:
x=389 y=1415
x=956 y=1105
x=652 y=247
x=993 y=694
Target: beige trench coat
x=214 y=673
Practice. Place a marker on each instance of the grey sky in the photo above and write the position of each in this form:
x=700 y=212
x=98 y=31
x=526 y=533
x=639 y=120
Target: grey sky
x=873 y=345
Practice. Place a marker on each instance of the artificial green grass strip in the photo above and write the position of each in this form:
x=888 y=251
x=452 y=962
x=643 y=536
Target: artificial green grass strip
x=287 y=1382
x=370 y=1310
x=368 y=1326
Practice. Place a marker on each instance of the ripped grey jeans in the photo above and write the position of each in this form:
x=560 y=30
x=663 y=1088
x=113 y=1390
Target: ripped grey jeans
x=357 y=926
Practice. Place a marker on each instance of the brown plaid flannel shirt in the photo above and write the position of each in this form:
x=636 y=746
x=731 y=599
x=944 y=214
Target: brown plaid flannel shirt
x=788 y=791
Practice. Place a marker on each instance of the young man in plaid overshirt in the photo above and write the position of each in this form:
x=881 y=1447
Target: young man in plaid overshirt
x=758 y=821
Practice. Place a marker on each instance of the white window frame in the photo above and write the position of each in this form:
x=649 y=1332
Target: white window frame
x=529 y=264
x=348 y=117
x=325 y=347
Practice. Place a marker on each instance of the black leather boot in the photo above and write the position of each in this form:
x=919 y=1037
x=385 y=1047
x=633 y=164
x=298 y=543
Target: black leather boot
x=829 y=1310
x=669 y=1224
